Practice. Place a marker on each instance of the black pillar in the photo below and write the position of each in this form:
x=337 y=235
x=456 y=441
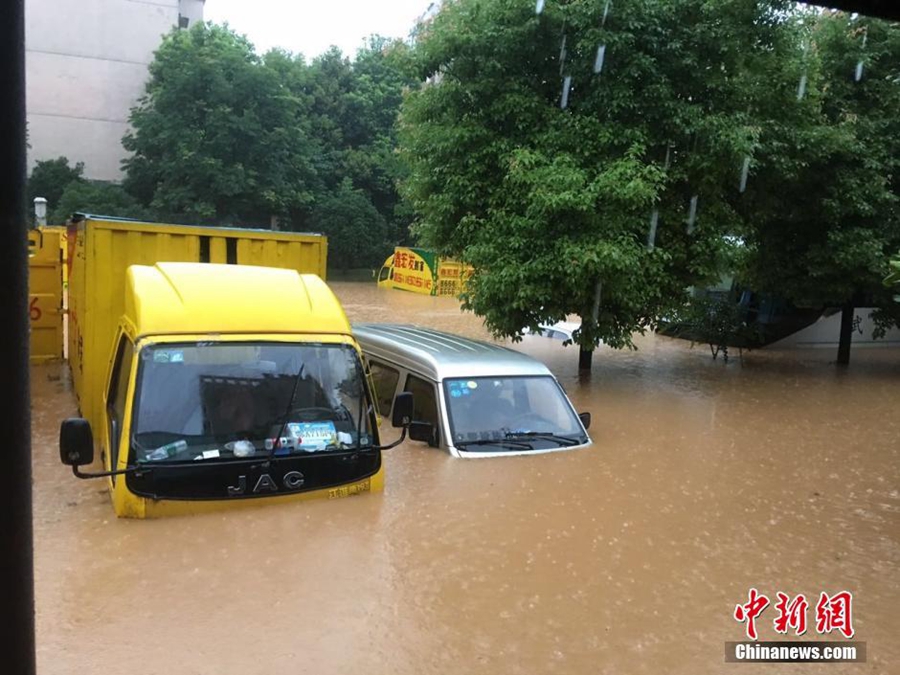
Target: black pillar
x=843 y=358
x=16 y=570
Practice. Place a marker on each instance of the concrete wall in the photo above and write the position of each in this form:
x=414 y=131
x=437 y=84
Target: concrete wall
x=826 y=332
x=86 y=66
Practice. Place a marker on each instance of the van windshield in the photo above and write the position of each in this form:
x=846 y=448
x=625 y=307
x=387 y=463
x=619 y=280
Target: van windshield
x=226 y=400
x=497 y=408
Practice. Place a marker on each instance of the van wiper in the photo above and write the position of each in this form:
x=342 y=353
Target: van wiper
x=496 y=441
x=544 y=436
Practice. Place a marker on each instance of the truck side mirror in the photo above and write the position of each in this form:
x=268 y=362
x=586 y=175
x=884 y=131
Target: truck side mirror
x=76 y=442
x=421 y=431
x=402 y=412
x=585 y=418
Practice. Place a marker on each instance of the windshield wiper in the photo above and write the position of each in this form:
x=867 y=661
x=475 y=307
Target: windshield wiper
x=541 y=435
x=496 y=441
x=286 y=415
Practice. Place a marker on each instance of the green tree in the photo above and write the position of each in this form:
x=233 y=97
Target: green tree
x=108 y=199
x=585 y=160
x=49 y=179
x=355 y=228
x=353 y=113
x=893 y=278
x=225 y=136
x=218 y=138
x=383 y=71
x=718 y=319
x=823 y=203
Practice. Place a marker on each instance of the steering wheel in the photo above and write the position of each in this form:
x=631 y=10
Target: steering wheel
x=318 y=412
x=529 y=421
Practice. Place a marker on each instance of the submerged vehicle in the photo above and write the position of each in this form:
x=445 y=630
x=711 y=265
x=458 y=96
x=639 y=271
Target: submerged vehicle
x=206 y=385
x=472 y=398
x=421 y=271
x=561 y=330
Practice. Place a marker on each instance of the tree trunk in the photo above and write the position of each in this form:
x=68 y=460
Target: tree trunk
x=843 y=358
x=585 y=357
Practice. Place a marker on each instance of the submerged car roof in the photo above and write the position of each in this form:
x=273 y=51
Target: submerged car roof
x=440 y=355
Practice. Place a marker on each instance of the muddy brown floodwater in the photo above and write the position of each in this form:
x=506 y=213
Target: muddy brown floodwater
x=704 y=480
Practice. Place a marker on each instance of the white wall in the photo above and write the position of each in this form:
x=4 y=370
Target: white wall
x=826 y=332
x=86 y=66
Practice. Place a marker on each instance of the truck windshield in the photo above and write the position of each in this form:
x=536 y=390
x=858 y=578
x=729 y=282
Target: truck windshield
x=507 y=408
x=224 y=400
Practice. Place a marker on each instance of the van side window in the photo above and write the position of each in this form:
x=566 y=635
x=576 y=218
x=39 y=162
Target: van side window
x=115 y=401
x=385 y=380
x=425 y=403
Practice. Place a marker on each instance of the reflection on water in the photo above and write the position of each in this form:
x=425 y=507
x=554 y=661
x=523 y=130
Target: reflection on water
x=628 y=557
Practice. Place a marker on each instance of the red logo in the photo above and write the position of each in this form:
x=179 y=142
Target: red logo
x=750 y=612
x=791 y=614
x=834 y=613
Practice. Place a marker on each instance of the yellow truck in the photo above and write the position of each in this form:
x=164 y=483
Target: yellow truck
x=421 y=271
x=205 y=379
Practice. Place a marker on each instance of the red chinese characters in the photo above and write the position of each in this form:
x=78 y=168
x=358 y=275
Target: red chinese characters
x=791 y=614
x=835 y=613
x=750 y=612
x=408 y=261
x=400 y=260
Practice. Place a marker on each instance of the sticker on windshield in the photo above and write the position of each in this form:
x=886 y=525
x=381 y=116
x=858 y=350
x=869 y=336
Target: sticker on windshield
x=312 y=436
x=472 y=384
x=168 y=356
x=458 y=389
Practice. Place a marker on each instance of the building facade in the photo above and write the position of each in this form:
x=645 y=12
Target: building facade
x=86 y=67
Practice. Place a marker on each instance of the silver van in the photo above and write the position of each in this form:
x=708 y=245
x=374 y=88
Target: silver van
x=472 y=398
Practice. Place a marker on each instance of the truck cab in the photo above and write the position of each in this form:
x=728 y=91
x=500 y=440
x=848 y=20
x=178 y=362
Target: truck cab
x=229 y=385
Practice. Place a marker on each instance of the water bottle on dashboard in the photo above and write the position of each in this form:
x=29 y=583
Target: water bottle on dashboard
x=168 y=451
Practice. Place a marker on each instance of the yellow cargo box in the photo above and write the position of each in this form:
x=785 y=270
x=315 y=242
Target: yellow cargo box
x=46 y=283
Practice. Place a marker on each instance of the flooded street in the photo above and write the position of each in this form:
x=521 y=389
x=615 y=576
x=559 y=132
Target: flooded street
x=705 y=479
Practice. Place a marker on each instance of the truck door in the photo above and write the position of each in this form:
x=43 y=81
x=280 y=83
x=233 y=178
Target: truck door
x=116 y=399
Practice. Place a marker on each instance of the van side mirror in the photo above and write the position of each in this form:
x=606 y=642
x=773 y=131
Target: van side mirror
x=402 y=411
x=76 y=442
x=585 y=418
x=421 y=431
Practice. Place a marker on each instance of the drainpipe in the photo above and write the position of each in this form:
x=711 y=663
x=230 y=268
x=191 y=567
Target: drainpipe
x=16 y=547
